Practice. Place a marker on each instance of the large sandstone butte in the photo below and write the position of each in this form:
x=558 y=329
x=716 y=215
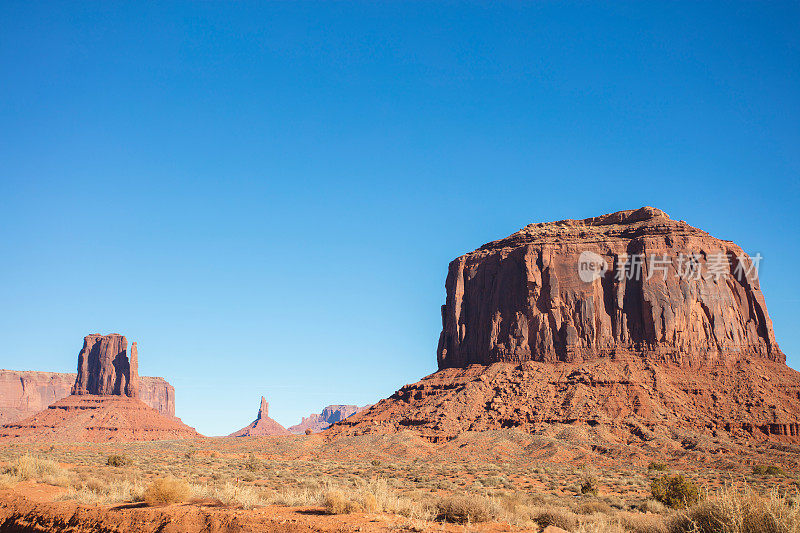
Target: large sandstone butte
x=104 y=367
x=521 y=298
x=329 y=415
x=262 y=426
x=104 y=404
x=527 y=339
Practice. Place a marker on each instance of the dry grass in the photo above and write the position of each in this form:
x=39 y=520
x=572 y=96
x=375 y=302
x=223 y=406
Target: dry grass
x=372 y=496
x=242 y=496
x=165 y=491
x=464 y=509
x=556 y=516
x=652 y=506
x=740 y=511
x=593 y=507
x=641 y=523
x=247 y=474
x=296 y=497
x=7 y=481
x=36 y=468
x=98 y=493
x=336 y=502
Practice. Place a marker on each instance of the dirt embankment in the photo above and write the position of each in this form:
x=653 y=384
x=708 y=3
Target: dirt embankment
x=37 y=514
x=21 y=515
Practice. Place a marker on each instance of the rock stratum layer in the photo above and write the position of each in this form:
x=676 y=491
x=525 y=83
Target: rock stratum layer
x=528 y=340
x=262 y=426
x=23 y=393
x=329 y=415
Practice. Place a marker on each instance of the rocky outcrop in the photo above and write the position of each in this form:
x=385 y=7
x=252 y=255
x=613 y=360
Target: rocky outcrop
x=626 y=396
x=662 y=289
x=263 y=425
x=24 y=393
x=630 y=322
x=104 y=367
x=329 y=415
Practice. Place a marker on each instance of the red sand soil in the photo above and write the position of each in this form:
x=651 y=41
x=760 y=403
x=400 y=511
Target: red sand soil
x=24 y=510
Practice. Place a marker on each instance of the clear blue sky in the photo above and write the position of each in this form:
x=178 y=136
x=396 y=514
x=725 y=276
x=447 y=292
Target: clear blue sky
x=266 y=195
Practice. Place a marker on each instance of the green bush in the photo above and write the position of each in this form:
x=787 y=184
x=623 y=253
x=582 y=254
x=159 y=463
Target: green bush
x=675 y=491
x=660 y=467
x=768 y=470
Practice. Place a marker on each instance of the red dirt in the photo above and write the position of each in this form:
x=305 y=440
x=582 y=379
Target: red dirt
x=25 y=514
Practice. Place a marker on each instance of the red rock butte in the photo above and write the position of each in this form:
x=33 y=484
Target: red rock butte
x=521 y=298
x=104 y=404
x=670 y=329
x=262 y=426
x=104 y=367
x=321 y=421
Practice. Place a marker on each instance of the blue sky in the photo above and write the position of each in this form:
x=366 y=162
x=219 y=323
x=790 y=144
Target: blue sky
x=266 y=195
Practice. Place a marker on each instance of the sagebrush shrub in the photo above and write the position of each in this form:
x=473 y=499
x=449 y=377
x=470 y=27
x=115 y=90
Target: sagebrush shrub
x=675 y=491
x=462 y=509
x=117 y=460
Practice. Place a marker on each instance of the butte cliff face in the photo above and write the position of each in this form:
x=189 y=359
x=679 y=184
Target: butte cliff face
x=105 y=368
x=630 y=321
x=668 y=292
x=104 y=404
x=262 y=426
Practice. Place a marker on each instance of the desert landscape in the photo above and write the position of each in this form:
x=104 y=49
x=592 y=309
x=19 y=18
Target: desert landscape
x=374 y=266
x=625 y=402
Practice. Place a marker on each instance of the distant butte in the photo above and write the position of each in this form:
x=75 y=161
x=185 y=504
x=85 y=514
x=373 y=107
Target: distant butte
x=104 y=405
x=667 y=329
x=329 y=415
x=263 y=425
